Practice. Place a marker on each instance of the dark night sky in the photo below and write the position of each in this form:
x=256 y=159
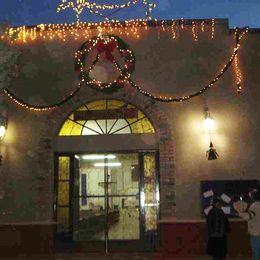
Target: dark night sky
x=240 y=13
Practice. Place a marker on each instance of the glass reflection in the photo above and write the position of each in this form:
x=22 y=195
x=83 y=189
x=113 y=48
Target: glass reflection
x=90 y=220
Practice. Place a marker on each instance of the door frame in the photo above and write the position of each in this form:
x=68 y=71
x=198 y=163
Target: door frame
x=66 y=240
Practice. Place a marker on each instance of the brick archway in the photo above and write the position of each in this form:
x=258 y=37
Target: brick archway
x=153 y=111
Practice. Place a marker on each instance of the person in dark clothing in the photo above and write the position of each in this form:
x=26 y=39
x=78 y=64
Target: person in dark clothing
x=218 y=227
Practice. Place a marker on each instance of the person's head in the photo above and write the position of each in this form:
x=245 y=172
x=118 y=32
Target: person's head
x=255 y=195
x=216 y=203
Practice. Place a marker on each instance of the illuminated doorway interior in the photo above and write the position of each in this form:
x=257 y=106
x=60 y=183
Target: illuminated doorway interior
x=108 y=191
x=107 y=198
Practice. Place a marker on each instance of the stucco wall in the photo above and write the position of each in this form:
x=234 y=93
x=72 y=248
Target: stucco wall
x=163 y=66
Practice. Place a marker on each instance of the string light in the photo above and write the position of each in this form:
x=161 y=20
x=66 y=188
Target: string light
x=194 y=31
x=210 y=85
x=38 y=108
x=238 y=76
x=202 y=26
x=163 y=26
x=149 y=7
x=46 y=28
x=213 y=29
x=78 y=7
x=237 y=70
x=173 y=30
x=182 y=23
x=23 y=34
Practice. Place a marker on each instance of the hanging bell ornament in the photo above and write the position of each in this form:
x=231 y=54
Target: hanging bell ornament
x=212 y=153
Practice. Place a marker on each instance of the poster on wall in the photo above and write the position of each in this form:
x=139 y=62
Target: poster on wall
x=229 y=191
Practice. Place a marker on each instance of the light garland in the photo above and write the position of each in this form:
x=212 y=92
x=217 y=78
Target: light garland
x=237 y=70
x=173 y=30
x=150 y=7
x=79 y=5
x=213 y=29
x=202 y=26
x=23 y=34
x=211 y=84
x=38 y=108
x=182 y=23
x=126 y=78
x=194 y=31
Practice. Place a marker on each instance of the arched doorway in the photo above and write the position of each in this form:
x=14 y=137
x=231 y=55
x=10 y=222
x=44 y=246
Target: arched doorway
x=107 y=178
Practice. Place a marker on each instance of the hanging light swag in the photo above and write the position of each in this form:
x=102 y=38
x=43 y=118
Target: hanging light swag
x=127 y=79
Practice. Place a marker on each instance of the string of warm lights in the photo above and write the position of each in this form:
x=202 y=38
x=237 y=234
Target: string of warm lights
x=237 y=70
x=97 y=13
x=213 y=28
x=78 y=7
x=124 y=73
x=194 y=31
x=32 y=107
x=182 y=23
x=23 y=34
x=149 y=7
x=238 y=75
x=204 y=89
x=173 y=30
x=202 y=26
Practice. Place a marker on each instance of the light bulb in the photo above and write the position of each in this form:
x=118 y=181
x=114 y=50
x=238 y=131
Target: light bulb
x=209 y=124
x=2 y=132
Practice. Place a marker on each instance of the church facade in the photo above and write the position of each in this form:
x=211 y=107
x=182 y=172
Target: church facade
x=105 y=148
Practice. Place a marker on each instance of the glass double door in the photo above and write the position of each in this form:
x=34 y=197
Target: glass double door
x=107 y=198
x=112 y=199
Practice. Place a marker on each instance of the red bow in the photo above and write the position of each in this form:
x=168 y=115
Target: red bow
x=107 y=48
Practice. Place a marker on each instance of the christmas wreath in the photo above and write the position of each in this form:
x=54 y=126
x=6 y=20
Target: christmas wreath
x=105 y=44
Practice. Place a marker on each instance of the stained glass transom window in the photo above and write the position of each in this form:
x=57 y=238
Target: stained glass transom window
x=106 y=117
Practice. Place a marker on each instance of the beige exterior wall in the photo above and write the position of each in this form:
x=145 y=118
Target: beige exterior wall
x=163 y=66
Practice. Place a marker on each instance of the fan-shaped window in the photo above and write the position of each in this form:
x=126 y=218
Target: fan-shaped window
x=106 y=117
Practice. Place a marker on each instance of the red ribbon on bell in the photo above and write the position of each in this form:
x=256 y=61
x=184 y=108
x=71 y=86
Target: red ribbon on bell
x=107 y=48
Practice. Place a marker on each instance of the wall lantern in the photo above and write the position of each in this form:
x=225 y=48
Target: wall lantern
x=209 y=122
x=209 y=125
x=3 y=126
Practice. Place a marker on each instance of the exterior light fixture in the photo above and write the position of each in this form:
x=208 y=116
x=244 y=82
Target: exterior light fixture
x=209 y=122
x=209 y=125
x=3 y=126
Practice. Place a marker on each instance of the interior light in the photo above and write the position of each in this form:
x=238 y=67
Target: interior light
x=98 y=156
x=108 y=164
